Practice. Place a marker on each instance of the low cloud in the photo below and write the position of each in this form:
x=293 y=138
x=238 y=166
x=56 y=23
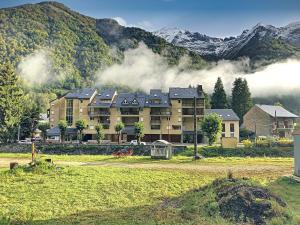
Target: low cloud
x=36 y=68
x=146 y=25
x=143 y=69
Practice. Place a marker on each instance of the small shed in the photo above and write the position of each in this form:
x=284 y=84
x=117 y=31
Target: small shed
x=161 y=149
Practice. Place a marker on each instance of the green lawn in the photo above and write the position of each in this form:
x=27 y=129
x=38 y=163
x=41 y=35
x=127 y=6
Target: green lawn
x=120 y=194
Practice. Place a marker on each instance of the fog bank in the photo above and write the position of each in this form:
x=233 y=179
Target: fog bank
x=144 y=69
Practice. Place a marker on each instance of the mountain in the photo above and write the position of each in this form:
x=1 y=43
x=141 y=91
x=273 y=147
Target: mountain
x=262 y=42
x=77 y=45
x=125 y=38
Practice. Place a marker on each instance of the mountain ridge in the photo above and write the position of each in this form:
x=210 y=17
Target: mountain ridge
x=272 y=39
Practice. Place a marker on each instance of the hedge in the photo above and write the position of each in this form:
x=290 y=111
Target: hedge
x=214 y=151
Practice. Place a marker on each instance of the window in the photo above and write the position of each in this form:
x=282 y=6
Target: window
x=81 y=101
x=232 y=127
x=142 y=119
x=176 y=127
x=179 y=110
x=155 y=127
x=80 y=110
x=91 y=127
x=179 y=101
x=52 y=112
x=179 y=119
x=134 y=102
x=125 y=102
x=223 y=127
x=69 y=112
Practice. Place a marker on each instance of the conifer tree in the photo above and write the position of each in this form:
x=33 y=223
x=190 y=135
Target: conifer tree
x=11 y=103
x=219 y=98
x=241 y=98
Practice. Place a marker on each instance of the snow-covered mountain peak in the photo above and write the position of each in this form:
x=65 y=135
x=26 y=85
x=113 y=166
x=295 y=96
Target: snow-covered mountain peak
x=224 y=47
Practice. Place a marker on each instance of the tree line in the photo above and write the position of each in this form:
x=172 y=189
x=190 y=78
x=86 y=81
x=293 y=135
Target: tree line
x=240 y=101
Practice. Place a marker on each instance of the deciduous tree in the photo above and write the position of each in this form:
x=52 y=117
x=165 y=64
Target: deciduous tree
x=118 y=128
x=139 y=131
x=211 y=126
x=100 y=132
x=43 y=127
x=80 y=125
x=62 y=125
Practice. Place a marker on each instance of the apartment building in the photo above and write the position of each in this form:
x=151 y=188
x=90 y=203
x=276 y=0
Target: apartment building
x=167 y=116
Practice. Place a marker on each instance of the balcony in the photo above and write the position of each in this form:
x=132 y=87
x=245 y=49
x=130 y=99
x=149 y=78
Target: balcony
x=155 y=121
x=285 y=127
x=130 y=121
x=190 y=103
x=190 y=112
x=160 y=113
x=96 y=113
x=129 y=112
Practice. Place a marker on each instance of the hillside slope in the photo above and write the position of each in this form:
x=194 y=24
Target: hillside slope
x=78 y=45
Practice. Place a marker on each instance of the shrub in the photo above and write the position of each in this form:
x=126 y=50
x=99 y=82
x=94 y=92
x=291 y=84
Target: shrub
x=247 y=143
x=246 y=134
x=263 y=143
x=215 y=151
x=284 y=142
x=38 y=167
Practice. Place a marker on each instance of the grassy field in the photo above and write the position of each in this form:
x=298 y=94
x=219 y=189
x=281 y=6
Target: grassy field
x=131 y=190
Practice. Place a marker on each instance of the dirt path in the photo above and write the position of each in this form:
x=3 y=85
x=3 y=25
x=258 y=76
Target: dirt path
x=243 y=169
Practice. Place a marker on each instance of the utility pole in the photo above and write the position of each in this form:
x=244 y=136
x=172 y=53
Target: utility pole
x=196 y=156
x=168 y=129
x=19 y=128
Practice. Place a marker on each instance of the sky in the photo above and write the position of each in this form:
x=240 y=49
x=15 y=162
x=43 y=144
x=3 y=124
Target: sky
x=218 y=18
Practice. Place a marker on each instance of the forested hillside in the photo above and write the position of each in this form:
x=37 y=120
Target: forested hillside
x=78 y=45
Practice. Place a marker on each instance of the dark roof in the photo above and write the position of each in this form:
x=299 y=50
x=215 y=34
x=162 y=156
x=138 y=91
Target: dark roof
x=106 y=94
x=225 y=114
x=280 y=111
x=177 y=92
x=85 y=93
x=55 y=131
x=129 y=100
x=157 y=94
x=103 y=95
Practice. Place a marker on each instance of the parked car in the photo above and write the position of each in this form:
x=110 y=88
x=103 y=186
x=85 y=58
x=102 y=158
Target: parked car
x=24 y=142
x=36 y=139
x=135 y=142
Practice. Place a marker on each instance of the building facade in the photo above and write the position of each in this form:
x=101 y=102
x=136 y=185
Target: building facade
x=167 y=116
x=230 y=122
x=269 y=120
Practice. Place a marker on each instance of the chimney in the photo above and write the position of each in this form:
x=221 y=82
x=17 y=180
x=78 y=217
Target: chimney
x=199 y=89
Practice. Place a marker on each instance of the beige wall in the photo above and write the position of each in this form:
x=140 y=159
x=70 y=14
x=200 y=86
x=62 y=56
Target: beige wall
x=81 y=111
x=57 y=111
x=229 y=142
x=262 y=120
x=236 y=133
